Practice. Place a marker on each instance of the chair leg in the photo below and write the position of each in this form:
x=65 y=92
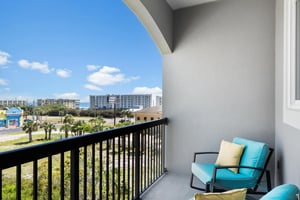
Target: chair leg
x=269 y=186
x=194 y=187
x=192 y=180
x=207 y=187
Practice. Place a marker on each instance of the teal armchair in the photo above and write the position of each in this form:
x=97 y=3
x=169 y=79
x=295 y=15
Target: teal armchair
x=251 y=169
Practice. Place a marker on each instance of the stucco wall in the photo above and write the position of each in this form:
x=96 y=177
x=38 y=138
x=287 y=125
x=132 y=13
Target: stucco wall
x=219 y=81
x=287 y=138
x=163 y=16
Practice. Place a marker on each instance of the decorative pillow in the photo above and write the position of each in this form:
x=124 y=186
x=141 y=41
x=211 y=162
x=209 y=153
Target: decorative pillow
x=236 y=194
x=230 y=154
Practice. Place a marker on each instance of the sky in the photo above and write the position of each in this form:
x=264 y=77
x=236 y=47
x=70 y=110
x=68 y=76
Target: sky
x=74 y=48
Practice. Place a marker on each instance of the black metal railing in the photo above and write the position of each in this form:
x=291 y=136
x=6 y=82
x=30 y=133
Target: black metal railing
x=115 y=164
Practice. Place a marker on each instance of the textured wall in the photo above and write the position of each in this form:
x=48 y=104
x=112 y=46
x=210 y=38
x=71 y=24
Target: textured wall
x=219 y=81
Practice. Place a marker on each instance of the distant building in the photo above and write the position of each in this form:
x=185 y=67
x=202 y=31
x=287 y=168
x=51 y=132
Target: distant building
x=12 y=117
x=69 y=103
x=158 y=100
x=3 y=118
x=129 y=101
x=13 y=102
x=148 y=114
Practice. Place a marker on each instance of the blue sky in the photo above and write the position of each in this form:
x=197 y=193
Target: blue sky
x=73 y=49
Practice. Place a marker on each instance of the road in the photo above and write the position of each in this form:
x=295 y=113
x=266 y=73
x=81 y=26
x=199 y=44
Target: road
x=9 y=130
x=6 y=134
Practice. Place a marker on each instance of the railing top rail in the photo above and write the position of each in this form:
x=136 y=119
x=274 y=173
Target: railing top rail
x=23 y=155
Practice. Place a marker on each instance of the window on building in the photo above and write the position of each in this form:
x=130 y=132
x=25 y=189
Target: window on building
x=152 y=118
x=145 y=118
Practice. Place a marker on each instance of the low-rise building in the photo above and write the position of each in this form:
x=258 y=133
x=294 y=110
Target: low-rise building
x=12 y=117
x=148 y=114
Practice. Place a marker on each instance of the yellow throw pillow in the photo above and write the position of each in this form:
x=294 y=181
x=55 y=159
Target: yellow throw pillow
x=230 y=154
x=236 y=194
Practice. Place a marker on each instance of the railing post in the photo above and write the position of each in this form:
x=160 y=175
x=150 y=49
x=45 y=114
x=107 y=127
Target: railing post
x=75 y=174
x=137 y=165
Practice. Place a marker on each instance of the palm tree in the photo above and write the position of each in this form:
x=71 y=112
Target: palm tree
x=44 y=125
x=68 y=119
x=29 y=127
x=66 y=128
x=78 y=127
x=86 y=128
x=51 y=127
x=93 y=121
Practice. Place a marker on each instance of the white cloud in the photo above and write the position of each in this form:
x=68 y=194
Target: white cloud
x=64 y=73
x=4 y=58
x=92 y=87
x=106 y=76
x=3 y=81
x=146 y=90
x=70 y=95
x=92 y=67
x=42 y=67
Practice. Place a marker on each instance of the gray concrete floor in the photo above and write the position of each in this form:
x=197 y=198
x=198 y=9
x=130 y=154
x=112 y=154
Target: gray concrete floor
x=175 y=187
x=171 y=187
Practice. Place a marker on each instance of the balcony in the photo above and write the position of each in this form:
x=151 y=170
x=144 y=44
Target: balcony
x=115 y=164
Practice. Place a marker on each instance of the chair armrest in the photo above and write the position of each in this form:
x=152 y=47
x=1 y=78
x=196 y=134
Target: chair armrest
x=237 y=166
x=230 y=166
x=203 y=153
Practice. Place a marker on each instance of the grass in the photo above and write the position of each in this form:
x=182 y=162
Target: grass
x=23 y=141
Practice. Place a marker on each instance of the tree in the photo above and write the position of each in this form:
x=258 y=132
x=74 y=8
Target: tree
x=29 y=127
x=126 y=114
x=66 y=128
x=51 y=127
x=68 y=119
x=78 y=127
x=98 y=124
x=44 y=125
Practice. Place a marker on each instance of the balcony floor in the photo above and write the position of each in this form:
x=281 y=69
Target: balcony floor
x=176 y=187
x=171 y=186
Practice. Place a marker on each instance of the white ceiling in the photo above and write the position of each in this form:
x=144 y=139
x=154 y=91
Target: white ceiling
x=176 y=4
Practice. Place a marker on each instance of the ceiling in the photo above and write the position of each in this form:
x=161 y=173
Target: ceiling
x=177 y=4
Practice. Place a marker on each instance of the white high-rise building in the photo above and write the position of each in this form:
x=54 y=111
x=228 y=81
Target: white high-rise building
x=128 y=101
x=69 y=103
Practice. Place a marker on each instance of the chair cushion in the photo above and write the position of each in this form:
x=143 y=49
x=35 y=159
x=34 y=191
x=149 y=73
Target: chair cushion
x=286 y=192
x=225 y=177
x=230 y=154
x=255 y=154
x=237 y=194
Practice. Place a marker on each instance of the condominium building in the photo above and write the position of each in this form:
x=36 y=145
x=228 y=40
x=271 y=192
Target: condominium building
x=158 y=101
x=128 y=101
x=12 y=102
x=69 y=103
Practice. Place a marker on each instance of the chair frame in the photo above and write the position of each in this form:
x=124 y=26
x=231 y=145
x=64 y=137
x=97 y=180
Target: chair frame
x=213 y=186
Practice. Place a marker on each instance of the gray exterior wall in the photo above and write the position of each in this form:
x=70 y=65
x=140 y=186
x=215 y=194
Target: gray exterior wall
x=163 y=16
x=219 y=81
x=287 y=138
